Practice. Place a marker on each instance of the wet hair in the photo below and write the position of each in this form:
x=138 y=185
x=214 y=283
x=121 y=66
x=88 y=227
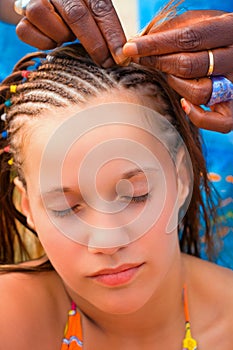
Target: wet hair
x=66 y=77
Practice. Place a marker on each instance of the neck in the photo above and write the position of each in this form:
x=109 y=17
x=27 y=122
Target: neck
x=159 y=315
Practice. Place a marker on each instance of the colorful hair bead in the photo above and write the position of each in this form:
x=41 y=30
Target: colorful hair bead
x=8 y=103
x=25 y=73
x=4 y=134
x=5 y=150
x=49 y=58
x=3 y=117
x=37 y=65
x=13 y=89
x=11 y=161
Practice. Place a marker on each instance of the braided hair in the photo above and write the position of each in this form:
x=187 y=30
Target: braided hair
x=68 y=76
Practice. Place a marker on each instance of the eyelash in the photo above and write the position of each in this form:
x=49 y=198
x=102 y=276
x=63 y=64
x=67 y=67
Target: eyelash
x=67 y=212
x=138 y=199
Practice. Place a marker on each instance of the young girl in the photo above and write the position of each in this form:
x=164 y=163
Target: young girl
x=106 y=164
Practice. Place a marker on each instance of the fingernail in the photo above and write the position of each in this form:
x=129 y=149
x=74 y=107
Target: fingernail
x=108 y=63
x=186 y=107
x=119 y=56
x=130 y=49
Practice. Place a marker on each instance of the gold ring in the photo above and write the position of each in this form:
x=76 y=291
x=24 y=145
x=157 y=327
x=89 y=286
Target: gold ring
x=211 y=63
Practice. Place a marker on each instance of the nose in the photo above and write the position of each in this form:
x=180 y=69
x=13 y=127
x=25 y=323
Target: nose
x=107 y=251
x=107 y=233
x=107 y=241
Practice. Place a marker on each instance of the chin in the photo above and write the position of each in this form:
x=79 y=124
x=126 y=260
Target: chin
x=123 y=303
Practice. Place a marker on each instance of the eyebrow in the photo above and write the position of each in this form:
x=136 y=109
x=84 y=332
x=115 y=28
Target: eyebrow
x=136 y=171
x=58 y=190
x=125 y=175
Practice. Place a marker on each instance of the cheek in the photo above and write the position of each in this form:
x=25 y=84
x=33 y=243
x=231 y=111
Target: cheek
x=161 y=250
x=164 y=209
x=164 y=244
x=61 y=251
x=164 y=241
x=65 y=255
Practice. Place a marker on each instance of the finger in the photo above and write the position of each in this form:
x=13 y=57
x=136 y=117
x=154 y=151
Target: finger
x=32 y=36
x=199 y=36
x=107 y=20
x=197 y=91
x=220 y=118
x=80 y=20
x=42 y=15
x=192 y=65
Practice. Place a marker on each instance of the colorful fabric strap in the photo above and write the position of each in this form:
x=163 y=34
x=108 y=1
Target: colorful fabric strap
x=73 y=332
x=222 y=90
x=73 y=339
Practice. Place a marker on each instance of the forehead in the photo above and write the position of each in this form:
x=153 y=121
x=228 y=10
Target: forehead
x=63 y=127
x=48 y=122
x=99 y=134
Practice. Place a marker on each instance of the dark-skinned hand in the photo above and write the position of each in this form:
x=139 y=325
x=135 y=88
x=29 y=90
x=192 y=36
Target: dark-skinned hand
x=178 y=48
x=49 y=23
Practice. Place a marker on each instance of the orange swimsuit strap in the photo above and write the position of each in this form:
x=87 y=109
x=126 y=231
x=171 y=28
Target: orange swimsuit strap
x=73 y=339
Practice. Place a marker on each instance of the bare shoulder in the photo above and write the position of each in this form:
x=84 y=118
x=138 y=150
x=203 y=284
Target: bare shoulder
x=211 y=303
x=217 y=280
x=20 y=287
x=30 y=301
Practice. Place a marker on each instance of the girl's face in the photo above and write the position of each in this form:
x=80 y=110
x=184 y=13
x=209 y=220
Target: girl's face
x=101 y=201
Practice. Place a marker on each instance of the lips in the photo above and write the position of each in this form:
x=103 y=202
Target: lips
x=117 y=276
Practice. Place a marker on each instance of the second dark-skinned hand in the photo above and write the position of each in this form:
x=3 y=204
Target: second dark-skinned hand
x=179 y=48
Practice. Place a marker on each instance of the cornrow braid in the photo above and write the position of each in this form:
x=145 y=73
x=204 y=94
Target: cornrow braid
x=66 y=77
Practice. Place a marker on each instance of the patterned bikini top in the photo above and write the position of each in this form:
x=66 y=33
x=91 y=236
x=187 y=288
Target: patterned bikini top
x=73 y=339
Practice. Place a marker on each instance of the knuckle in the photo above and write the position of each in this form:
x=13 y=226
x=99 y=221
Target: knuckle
x=100 y=8
x=110 y=33
x=24 y=32
x=184 y=66
x=188 y=39
x=21 y=29
x=34 y=10
x=74 y=11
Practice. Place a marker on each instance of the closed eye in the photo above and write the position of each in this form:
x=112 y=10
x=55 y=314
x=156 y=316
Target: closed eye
x=137 y=199
x=66 y=212
x=134 y=200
